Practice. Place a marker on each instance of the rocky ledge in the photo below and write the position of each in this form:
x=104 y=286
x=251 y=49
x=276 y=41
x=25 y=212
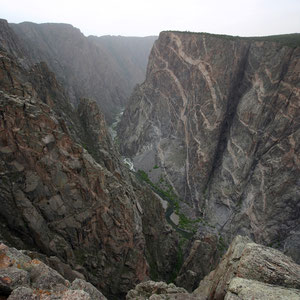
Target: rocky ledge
x=24 y=278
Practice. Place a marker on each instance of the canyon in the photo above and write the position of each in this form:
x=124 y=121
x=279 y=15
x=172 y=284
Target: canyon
x=102 y=68
x=213 y=134
x=219 y=118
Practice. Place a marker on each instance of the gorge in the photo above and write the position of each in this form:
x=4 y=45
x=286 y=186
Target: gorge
x=219 y=116
x=213 y=133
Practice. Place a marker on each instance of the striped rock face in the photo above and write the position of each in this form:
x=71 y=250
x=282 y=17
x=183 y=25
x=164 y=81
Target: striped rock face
x=220 y=117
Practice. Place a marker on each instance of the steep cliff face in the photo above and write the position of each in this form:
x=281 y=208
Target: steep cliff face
x=87 y=67
x=61 y=199
x=55 y=197
x=220 y=117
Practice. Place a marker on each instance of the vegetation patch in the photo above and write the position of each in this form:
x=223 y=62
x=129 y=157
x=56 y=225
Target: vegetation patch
x=221 y=245
x=186 y=227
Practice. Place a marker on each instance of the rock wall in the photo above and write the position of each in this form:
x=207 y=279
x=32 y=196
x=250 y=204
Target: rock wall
x=220 y=117
x=58 y=198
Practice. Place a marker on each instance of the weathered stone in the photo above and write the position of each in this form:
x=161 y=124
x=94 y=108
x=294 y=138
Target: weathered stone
x=23 y=293
x=94 y=294
x=43 y=277
x=268 y=265
x=76 y=295
x=12 y=257
x=244 y=289
x=248 y=260
x=11 y=278
x=31 y=279
x=158 y=291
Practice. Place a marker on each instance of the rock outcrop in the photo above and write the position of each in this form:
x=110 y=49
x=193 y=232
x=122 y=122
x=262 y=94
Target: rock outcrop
x=24 y=278
x=243 y=289
x=219 y=116
x=158 y=291
x=246 y=265
x=59 y=199
x=104 y=69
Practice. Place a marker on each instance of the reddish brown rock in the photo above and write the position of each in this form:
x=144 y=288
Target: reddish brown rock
x=64 y=190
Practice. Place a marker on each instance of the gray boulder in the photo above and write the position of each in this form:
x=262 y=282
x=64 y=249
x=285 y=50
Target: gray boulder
x=23 y=293
x=79 y=284
x=158 y=291
x=244 y=289
x=251 y=261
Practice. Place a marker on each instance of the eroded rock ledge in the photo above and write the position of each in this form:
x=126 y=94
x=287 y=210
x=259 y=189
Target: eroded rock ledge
x=24 y=278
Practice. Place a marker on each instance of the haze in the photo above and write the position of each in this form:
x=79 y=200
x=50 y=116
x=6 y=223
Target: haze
x=142 y=18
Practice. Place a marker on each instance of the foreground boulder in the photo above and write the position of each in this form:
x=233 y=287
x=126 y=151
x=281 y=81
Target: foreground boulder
x=256 y=263
x=24 y=278
x=158 y=291
x=243 y=289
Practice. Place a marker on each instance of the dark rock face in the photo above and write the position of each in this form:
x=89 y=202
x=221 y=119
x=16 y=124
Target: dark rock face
x=202 y=255
x=57 y=198
x=220 y=116
x=162 y=247
x=103 y=69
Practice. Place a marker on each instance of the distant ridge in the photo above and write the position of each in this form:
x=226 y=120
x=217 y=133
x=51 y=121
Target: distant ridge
x=291 y=39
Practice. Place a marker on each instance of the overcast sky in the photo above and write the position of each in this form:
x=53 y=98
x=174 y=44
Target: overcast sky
x=142 y=18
